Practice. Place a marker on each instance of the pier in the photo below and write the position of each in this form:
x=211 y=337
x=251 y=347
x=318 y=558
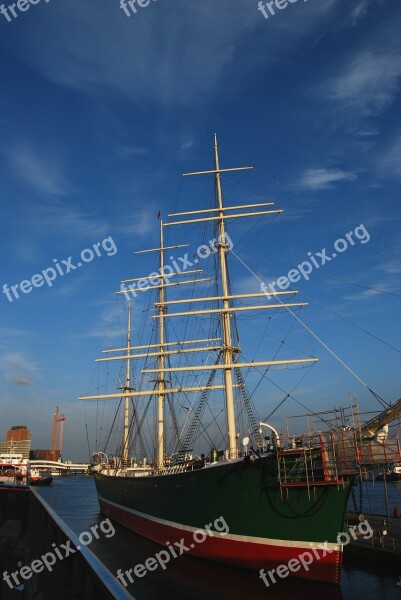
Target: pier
x=30 y=529
x=383 y=547
x=63 y=468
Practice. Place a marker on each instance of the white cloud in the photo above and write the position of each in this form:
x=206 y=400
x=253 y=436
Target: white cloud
x=323 y=179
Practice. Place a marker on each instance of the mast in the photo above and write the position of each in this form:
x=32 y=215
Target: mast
x=226 y=319
x=161 y=308
x=160 y=281
x=127 y=388
x=219 y=215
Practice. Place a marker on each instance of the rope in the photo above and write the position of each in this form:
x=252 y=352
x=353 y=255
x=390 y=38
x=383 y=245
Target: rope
x=365 y=287
x=321 y=342
x=375 y=337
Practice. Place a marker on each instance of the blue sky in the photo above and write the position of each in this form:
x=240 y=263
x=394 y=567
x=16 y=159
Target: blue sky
x=100 y=114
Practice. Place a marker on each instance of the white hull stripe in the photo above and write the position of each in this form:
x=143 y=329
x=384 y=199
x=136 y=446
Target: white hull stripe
x=228 y=536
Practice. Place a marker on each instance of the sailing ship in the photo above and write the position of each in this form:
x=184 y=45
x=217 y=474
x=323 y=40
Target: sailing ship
x=280 y=495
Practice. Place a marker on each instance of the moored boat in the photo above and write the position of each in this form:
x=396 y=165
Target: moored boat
x=40 y=478
x=14 y=471
x=392 y=474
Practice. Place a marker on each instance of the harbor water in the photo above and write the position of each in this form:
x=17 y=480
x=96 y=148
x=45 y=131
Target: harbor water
x=75 y=500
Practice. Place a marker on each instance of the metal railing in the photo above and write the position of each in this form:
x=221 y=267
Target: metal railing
x=80 y=575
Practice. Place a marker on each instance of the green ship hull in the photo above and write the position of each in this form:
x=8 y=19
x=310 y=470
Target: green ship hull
x=267 y=525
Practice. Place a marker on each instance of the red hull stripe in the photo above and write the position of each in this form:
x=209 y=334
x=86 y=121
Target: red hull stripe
x=234 y=550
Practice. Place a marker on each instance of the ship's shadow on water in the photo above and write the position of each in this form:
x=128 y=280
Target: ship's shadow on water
x=187 y=578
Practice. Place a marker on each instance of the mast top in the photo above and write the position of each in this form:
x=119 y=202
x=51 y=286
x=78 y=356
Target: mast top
x=217 y=169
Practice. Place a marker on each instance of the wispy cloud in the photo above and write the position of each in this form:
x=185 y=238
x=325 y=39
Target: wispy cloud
x=66 y=219
x=368 y=78
x=360 y=10
x=393 y=270
x=37 y=172
x=109 y=325
x=166 y=44
x=42 y=174
x=390 y=163
x=125 y=151
x=369 y=83
x=142 y=222
x=22 y=381
x=17 y=368
x=366 y=131
x=187 y=142
x=362 y=295
x=10 y=334
x=155 y=57
x=375 y=283
x=323 y=179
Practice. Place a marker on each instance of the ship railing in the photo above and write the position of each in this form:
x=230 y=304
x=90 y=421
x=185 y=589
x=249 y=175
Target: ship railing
x=372 y=452
x=331 y=457
x=196 y=462
x=347 y=448
x=171 y=470
x=386 y=542
x=309 y=461
x=383 y=454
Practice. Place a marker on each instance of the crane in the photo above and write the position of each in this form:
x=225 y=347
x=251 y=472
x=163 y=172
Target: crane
x=61 y=420
x=56 y=421
x=53 y=446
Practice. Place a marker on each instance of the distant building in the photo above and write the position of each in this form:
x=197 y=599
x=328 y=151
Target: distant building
x=45 y=455
x=18 y=441
x=18 y=433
